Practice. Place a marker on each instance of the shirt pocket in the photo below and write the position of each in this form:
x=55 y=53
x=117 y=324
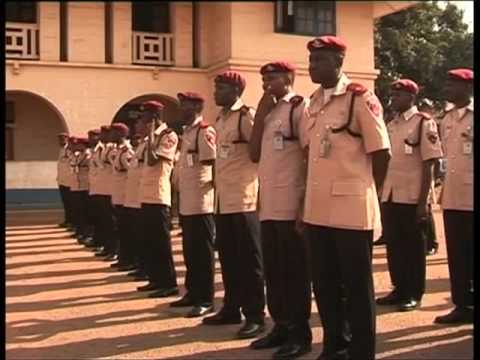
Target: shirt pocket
x=349 y=204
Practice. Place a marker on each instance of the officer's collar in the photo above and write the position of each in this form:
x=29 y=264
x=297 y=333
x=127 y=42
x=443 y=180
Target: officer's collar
x=339 y=89
x=450 y=106
x=237 y=105
x=160 y=128
x=407 y=115
x=288 y=96
x=196 y=122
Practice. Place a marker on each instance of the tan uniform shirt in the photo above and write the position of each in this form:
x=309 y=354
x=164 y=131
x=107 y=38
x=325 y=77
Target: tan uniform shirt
x=109 y=159
x=282 y=166
x=236 y=179
x=134 y=175
x=80 y=168
x=93 y=171
x=155 y=187
x=120 y=168
x=62 y=166
x=404 y=176
x=457 y=139
x=103 y=180
x=70 y=177
x=341 y=190
x=195 y=180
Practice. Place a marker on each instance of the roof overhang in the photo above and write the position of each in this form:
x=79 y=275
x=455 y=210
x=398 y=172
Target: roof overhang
x=383 y=8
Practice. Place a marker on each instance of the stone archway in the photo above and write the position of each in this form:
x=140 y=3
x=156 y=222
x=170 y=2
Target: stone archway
x=36 y=123
x=131 y=110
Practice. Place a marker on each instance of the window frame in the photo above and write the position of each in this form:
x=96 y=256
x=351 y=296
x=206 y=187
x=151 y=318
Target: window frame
x=301 y=33
x=25 y=4
x=169 y=17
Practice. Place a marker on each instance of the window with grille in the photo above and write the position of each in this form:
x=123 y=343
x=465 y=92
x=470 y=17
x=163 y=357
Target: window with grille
x=21 y=11
x=313 y=18
x=151 y=16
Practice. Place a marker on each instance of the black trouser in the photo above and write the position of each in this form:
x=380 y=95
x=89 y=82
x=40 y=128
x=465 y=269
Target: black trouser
x=132 y=238
x=79 y=200
x=199 y=257
x=90 y=215
x=343 y=285
x=158 y=245
x=287 y=275
x=125 y=253
x=428 y=231
x=107 y=223
x=459 y=240
x=65 y=196
x=240 y=254
x=95 y=210
x=405 y=250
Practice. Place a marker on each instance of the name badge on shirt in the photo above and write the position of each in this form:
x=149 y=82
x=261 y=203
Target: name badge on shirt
x=278 y=140
x=224 y=151
x=190 y=160
x=408 y=150
x=467 y=148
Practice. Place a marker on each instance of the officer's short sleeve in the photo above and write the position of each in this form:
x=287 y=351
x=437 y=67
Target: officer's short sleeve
x=430 y=145
x=126 y=158
x=167 y=146
x=305 y=125
x=247 y=124
x=369 y=117
x=207 y=148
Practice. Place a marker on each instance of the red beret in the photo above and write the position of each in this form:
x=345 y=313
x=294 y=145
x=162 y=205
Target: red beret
x=82 y=140
x=232 y=77
x=190 y=96
x=94 y=132
x=152 y=105
x=405 y=85
x=104 y=128
x=121 y=127
x=461 y=74
x=327 y=42
x=277 y=66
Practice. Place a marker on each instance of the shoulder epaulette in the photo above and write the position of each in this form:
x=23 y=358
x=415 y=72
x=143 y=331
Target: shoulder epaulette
x=356 y=88
x=296 y=100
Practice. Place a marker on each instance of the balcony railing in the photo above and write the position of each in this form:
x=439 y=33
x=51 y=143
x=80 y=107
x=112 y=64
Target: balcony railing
x=21 y=41
x=152 y=48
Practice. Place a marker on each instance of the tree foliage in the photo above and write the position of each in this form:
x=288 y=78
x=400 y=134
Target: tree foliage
x=421 y=43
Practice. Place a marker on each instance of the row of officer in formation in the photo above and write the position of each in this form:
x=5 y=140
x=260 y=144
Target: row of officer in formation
x=243 y=184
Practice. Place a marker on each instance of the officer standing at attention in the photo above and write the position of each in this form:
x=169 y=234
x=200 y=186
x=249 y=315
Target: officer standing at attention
x=195 y=185
x=70 y=181
x=282 y=175
x=456 y=132
x=155 y=197
x=237 y=226
x=120 y=167
x=409 y=180
x=132 y=202
x=62 y=168
x=79 y=189
x=348 y=157
x=93 y=139
x=104 y=205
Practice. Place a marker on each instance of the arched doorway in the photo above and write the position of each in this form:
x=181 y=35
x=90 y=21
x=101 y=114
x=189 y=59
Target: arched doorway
x=130 y=111
x=32 y=124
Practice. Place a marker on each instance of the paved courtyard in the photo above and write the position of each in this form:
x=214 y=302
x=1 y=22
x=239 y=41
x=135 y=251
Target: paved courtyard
x=63 y=303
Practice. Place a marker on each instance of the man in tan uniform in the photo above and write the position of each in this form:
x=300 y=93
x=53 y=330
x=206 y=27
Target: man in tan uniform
x=104 y=204
x=237 y=227
x=348 y=150
x=132 y=202
x=195 y=186
x=456 y=131
x=62 y=168
x=93 y=241
x=282 y=175
x=415 y=147
x=155 y=197
x=120 y=167
x=79 y=189
x=70 y=179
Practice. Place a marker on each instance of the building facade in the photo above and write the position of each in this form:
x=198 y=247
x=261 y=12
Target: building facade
x=73 y=66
